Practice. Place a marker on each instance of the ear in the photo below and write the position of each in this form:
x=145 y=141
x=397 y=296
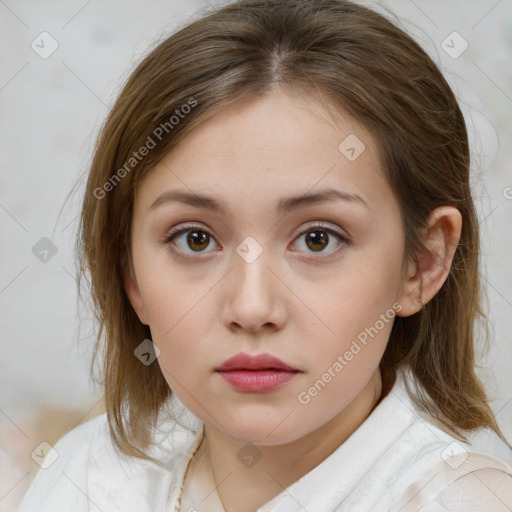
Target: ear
x=132 y=291
x=424 y=279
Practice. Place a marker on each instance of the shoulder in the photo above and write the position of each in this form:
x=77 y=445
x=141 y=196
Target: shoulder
x=83 y=443
x=91 y=432
x=66 y=465
x=435 y=471
x=88 y=472
x=483 y=490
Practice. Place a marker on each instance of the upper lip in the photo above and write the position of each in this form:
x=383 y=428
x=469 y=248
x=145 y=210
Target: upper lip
x=244 y=361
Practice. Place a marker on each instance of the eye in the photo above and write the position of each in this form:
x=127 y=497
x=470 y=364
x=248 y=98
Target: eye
x=318 y=237
x=196 y=239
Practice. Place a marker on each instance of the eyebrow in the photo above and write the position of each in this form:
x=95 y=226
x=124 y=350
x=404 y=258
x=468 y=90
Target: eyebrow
x=284 y=206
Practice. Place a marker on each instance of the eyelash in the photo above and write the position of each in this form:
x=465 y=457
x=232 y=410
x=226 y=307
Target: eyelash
x=319 y=226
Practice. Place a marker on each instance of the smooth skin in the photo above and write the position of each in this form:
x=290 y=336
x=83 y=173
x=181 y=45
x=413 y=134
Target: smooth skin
x=303 y=300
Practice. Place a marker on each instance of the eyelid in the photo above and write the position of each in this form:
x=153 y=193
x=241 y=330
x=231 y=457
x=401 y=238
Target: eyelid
x=324 y=225
x=314 y=224
x=178 y=231
x=186 y=227
x=344 y=239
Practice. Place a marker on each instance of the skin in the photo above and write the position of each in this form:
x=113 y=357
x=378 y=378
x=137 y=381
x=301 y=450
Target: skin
x=301 y=302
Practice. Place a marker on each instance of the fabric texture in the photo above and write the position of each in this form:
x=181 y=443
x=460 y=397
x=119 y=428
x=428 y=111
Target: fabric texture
x=398 y=459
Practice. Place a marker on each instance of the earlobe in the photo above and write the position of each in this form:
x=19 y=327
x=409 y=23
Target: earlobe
x=426 y=277
x=134 y=296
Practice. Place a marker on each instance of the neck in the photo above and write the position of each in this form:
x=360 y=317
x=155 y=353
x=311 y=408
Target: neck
x=245 y=488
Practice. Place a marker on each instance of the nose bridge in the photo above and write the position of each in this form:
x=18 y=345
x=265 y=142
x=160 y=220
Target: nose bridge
x=253 y=287
x=251 y=272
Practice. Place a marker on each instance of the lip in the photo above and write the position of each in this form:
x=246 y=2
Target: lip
x=256 y=374
x=243 y=361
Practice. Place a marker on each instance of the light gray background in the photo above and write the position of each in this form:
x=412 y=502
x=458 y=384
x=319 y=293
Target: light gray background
x=51 y=110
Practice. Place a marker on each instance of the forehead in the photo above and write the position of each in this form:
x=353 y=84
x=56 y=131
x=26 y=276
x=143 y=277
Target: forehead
x=261 y=149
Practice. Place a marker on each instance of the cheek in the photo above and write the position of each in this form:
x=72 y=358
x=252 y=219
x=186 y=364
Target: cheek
x=360 y=292
x=356 y=328
x=355 y=310
x=351 y=355
x=180 y=325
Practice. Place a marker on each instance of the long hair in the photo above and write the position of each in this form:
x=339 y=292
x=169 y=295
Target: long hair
x=362 y=63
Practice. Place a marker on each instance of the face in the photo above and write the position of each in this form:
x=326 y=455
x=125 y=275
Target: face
x=315 y=284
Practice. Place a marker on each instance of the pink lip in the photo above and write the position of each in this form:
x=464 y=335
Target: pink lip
x=243 y=361
x=256 y=374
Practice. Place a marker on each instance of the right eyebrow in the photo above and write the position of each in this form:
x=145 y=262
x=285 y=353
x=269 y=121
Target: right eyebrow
x=284 y=205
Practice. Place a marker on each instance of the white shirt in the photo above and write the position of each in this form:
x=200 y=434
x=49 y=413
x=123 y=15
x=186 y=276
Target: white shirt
x=397 y=460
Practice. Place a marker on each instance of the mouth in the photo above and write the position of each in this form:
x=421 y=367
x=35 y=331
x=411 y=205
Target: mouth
x=243 y=362
x=261 y=380
x=260 y=373
x=256 y=370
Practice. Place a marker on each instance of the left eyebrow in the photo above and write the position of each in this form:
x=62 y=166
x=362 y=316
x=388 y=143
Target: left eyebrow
x=284 y=205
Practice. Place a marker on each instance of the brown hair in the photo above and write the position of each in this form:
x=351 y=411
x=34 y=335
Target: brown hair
x=365 y=65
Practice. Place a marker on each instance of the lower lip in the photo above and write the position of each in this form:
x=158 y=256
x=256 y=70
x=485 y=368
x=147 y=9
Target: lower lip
x=257 y=381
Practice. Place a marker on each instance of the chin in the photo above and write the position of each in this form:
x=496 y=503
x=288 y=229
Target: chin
x=263 y=432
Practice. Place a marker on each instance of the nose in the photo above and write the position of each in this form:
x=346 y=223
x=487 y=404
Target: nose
x=255 y=295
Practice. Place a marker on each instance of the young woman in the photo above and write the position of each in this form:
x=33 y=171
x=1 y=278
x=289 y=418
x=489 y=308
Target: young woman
x=284 y=258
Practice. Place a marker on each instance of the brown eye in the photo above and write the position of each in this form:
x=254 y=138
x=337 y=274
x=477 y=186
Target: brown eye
x=198 y=240
x=317 y=240
x=195 y=241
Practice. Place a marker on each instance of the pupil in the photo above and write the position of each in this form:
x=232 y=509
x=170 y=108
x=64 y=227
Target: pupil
x=318 y=239
x=199 y=237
